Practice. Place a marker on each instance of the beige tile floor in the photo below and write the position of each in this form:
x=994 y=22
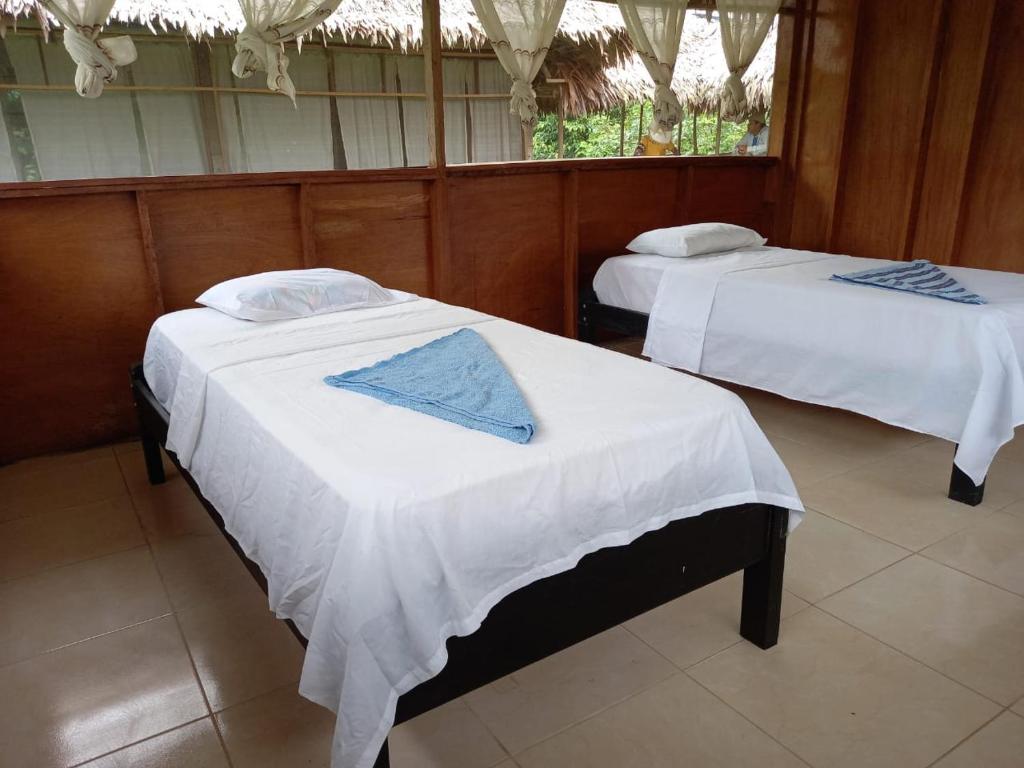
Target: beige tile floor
x=130 y=635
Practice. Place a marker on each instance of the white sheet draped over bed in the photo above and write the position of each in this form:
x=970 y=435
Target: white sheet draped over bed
x=770 y=318
x=383 y=531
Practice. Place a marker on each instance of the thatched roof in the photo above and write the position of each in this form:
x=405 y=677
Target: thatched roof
x=591 y=53
x=390 y=23
x=700 y=70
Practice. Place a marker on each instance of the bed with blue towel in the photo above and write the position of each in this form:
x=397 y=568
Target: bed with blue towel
x=932 y=348
x=396 y=472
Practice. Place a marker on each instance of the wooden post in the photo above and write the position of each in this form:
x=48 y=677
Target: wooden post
x=433 y=76
x=561 y=122
x=695 y=150
x=622 y=132
x=337 y=140
x=718 y=131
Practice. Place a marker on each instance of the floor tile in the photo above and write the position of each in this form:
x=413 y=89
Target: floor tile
x=52 y=462
x=200 y=569
x=65 y=605
x=824 y=555
x=858 y=438
x=1019 y=707
x=239 y=648
x=92 y=698
x=194 y=745
x=931 y=463
x=675 y=723
x=1000 y=744
x=543 y=698
x=61 y=537
x=450 y=736
x=60 y=483
x=695 y=626
x=171 y=510
x=133 y=466
x=992 y=550
x=1016 y=509
x=883 y=501
x=966 y=629
x=839 y=698
x=278 y=729
x=809 y=465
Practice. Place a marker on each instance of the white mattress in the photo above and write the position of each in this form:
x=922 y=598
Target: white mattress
x=383 y=531
x=771 y=318
x=631 y=281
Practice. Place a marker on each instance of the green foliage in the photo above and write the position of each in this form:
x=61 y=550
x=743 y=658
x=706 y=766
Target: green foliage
x=600 y=134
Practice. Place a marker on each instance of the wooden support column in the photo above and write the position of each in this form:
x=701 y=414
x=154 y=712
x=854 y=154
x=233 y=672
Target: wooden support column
x=561 y=121
x=441 y=272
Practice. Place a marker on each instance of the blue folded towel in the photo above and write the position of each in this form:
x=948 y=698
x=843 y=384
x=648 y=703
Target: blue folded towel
x=457 y=378
x=920 y=276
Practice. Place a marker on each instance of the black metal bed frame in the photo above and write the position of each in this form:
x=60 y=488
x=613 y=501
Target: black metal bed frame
x=595 y=316
x=606 y=587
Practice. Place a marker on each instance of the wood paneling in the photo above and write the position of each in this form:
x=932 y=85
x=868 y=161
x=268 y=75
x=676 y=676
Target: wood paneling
x=76 y=301
x=506 y=243
x=818 y=138
x=956 y=108
x=614 y=207
x=905 y=134
x=887 y=106
x=378 y=230
x=75 y=308
x=205 y=236
x=992 y=220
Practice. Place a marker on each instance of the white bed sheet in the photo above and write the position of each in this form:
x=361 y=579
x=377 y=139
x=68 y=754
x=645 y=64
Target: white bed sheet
x=771 y=318
x=383 y=531
x=631 y=281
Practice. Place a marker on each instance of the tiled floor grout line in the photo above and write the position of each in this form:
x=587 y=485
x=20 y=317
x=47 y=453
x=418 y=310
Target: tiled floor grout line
x=85 y=640
x=969 y=575
x=177 y=622
x=140 y=741
x=64 y=508
x=582 y=720
x=970 y=735
x=908 y=656
x=685 y=672
x=854 y=583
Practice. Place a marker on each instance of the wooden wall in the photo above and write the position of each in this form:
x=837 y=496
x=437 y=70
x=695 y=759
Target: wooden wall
x=85 y=267
x=901 y=131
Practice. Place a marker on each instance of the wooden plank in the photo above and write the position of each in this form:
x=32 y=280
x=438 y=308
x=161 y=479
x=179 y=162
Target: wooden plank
x=149 y=250
x=74 y=314
x=945 y=160
x=307 y=226
x=203 y=237
x=883 y=132
x=379 y=230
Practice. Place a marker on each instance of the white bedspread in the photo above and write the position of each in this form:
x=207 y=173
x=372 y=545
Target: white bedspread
x=770 y=318
x=383 y=531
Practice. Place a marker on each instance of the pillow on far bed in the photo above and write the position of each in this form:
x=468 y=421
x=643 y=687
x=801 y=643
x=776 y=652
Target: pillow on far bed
x=695 y=239
x=296 y=293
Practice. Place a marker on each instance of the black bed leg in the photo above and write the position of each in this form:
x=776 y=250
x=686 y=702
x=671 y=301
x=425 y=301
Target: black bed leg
x=154 y=462
x=384 y=758
x=963 y=489
x=585 y=327
x=762 y=586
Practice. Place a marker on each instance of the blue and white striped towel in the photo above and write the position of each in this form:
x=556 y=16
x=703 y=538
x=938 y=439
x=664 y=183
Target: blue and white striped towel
x=919 y=276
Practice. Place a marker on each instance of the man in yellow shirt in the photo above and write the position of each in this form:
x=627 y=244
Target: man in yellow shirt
x=656 y=143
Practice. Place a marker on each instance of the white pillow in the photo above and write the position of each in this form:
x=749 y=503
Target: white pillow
x=296 y=293
x=695 y=239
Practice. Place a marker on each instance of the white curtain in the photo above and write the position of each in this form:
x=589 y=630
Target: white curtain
x=171 y=127
x=97 y=58
x=744 y=24
x=269 y=24
x=497 y=136
x=264 y=133
x=655 y=29
x=370 y=125
x=520 y=31
x=408 y=71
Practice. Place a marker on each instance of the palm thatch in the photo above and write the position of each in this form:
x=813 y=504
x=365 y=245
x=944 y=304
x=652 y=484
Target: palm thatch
x=591 y=59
